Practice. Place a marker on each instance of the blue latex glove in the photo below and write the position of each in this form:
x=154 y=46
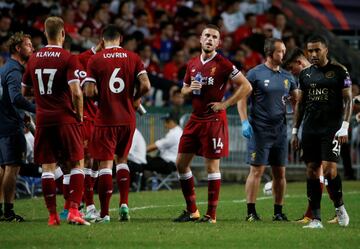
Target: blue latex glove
x=247 y=130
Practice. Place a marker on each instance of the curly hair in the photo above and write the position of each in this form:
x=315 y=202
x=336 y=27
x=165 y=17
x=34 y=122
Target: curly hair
x=15 y=40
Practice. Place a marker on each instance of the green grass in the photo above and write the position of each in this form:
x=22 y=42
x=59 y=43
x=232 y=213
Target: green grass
x=151 y=226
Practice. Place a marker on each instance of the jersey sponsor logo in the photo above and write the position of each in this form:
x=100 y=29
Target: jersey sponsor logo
x=80 y=74
x=266 y=82
x=330 y=74
x=210 y=81
x=318 y=94
x=286 y=83
x=347 y=82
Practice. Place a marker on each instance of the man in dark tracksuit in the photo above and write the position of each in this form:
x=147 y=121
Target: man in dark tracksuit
x=12 y=139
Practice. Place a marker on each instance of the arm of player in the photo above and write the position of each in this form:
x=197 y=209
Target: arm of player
x=77 y=99
x=89 y=89
x=151 y=147
x=246 y=129
x=243 y=90
x=144 y=87
x=298 y=116
x=342 y=134
x=16 y=97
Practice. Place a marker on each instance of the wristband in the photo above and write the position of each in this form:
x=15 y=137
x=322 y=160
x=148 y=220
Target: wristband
x=294 y=131
x=345 y=125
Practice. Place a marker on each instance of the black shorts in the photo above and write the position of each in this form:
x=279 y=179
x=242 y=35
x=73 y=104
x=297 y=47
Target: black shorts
x=320 y=147
x=268 y=147
x=13 y=149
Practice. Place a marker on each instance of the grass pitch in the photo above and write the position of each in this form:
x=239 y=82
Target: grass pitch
x=151 y=225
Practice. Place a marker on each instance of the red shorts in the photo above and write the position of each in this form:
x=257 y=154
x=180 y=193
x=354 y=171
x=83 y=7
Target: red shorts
x=209 y=139
x=58 y=143
x=109 y=140
x=88 y=129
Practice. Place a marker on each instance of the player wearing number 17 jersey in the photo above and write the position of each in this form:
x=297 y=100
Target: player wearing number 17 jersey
x=206 y=133
x=51 y=71
x=114 y=70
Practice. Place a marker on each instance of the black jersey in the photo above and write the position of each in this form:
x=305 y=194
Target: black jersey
x=322 y=96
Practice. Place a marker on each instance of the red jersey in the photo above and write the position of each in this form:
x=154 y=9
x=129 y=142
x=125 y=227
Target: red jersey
x=215 y=73
x=49 y=71
x=90 y=106
x=115 y=70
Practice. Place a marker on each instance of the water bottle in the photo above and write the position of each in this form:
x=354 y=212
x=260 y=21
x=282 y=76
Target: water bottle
x=154 y=183
x=198 y=77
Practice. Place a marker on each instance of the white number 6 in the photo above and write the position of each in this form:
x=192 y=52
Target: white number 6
x=114 y=79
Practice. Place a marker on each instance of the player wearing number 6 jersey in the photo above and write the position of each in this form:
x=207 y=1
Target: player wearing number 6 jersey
x=114 y=71
x=206 y=133
x=52 y=73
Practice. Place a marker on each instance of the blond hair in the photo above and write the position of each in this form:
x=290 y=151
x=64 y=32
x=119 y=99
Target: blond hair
x=53 y=27
x=16 y=40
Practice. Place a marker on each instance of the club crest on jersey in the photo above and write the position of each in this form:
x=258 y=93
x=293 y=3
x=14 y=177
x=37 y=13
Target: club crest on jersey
x=330 y=74
x=212 y=71
x=266 y=82
x=286 y=83
x=313 y=85
x=253 y=156
x=193 y=70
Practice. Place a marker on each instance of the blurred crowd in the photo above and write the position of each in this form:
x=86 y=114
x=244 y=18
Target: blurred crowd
x=163 y=32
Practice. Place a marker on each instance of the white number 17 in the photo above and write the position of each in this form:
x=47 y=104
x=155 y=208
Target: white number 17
x=39 y=73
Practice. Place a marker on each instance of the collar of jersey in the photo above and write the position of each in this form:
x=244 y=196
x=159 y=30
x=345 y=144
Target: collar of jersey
x=204 y=62
x=53 y=46
x=112 y=47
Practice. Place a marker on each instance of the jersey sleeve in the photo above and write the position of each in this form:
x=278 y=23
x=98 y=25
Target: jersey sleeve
x=293 y=84
x=166 y=142
x=187 y=79
x=139 y=66
x=231 y=69
x=251 y=77
x=91 y=71
x=344 y=78
x=73 y=69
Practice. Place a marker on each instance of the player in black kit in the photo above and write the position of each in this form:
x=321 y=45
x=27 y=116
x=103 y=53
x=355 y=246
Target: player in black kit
x=324 y=107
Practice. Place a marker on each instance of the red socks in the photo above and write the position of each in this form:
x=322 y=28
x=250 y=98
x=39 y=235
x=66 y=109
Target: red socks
x=123 y=182
x=188 y=189
x=105 y=188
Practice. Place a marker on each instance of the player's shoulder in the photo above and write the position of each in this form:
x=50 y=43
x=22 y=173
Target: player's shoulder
x=337 y=66
x=258 y=69
x=286 y=73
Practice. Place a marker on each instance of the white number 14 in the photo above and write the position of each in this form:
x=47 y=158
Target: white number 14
x=217 y=143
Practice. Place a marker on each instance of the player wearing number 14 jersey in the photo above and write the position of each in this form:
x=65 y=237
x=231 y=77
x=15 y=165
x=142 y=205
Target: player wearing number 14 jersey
x=51 y=71
x=114 y=71
x=206 y=133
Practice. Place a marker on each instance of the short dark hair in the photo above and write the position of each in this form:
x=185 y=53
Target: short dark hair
x=292 y=56
x=16 y=40
x=212 y=26
x=111 y=32
x=269 y=45
x=317 y=38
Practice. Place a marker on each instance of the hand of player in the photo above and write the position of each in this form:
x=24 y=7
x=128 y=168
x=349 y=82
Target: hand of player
x=295 y=145
x=342 y=134
x=195 y=85
x=137 y=103
x=218 y=106
x=247 y=130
